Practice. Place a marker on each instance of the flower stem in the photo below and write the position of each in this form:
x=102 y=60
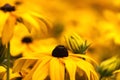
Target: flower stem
x=8 y=61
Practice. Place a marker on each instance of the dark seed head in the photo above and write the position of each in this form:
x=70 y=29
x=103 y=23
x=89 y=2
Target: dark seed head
x=60 y=51
x=27 y=40
x=7 y=8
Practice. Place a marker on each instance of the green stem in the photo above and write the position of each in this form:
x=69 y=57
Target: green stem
x=8 y=61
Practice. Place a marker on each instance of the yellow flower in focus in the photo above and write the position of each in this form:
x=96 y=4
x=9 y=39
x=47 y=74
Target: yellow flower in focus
x=57 y=65
x=14 y=11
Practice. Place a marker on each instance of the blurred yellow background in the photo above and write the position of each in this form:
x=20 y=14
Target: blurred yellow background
x=97 y=21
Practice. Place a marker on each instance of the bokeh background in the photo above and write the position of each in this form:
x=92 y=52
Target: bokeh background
x=97 y=21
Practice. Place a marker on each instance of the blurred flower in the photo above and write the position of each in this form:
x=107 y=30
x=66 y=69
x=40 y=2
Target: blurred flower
x=59 y=63
x=108 y=66
x=76 y=44
x=23 y=41
x=13 y=12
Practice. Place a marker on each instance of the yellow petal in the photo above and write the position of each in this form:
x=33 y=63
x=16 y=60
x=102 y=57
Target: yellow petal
x=89 y=59
x=41 y=19
x=8 y=29
x=57 y=70
x=94 y=76
x=29 y=75
x=71 y=67
x=3 y=19
x=30 y=22
x=12 y=75
x=116 y=71
x=19 y=63
x=36 y=14
x=42 y=70
x=28 y=63
x=2 y=69
x=87 y=68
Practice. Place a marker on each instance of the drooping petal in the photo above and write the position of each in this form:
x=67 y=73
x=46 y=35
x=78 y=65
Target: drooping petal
x=36 y=14
x=87 y=68
x=44 y=29
x=19 y=63
x=41 y=18
x=87 y=58
x=30 y=22
x=57 y=69
x=28 y=63
x=3 y=19
x=29 y=75
x=94 y=76
x=42 y=70
x=8 y=29
x=71 y=67
x=12 y=75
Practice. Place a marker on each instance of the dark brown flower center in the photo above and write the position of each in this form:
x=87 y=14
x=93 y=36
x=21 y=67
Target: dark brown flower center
x=60 y=51
x=27 y=40
x=7 y=8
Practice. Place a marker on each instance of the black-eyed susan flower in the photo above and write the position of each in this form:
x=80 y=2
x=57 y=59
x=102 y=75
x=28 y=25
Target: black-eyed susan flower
x=22 y=41
x=60 y=65
x=14 y=11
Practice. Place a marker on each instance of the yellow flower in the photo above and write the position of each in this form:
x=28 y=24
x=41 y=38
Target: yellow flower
x=23 y=41
x=17 y=11
x=57 y=65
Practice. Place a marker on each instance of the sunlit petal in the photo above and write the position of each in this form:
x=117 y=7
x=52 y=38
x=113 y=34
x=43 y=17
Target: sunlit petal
x=8 y=30
x=3 y=19
x=42 y=70
x=71 y=67
x=19 y=63
x=57 y=70
x=86 y=67
x=30 y=22
x=29 y=76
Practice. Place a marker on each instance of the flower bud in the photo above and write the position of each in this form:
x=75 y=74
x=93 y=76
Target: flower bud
x=108 y=66
x=76 y=44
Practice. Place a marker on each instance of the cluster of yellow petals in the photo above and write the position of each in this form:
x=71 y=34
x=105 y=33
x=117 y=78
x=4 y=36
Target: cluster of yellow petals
x=46 y=23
